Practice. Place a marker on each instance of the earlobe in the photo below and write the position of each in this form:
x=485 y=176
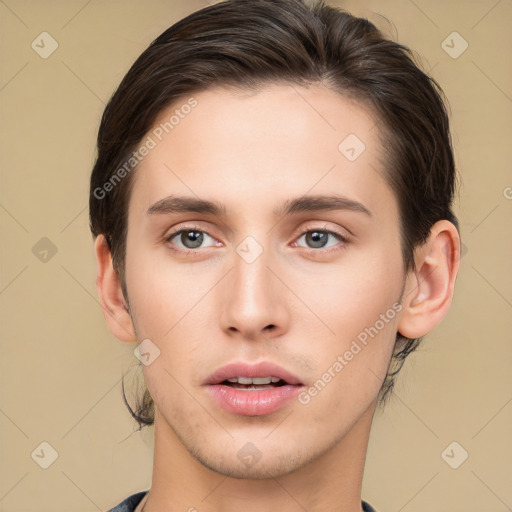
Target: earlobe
x=113 y=304
x=429 y=288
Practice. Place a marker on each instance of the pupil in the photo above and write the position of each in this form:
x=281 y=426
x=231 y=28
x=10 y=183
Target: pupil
x=317 y=238
x=195 y=237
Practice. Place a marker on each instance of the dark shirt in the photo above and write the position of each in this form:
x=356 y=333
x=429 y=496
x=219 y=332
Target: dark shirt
x=131 y=503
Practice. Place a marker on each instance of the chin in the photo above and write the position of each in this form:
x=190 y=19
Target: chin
x=277 y=466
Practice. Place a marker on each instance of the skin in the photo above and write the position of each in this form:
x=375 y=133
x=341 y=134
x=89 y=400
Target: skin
x=251 y=152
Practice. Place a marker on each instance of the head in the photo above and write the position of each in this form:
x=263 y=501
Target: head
x=202 y=113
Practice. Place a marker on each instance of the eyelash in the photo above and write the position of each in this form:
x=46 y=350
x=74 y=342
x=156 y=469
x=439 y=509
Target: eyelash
x=194 y=252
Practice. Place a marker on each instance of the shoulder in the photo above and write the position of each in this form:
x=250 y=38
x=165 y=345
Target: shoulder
x=130 y=503
x=367 y=507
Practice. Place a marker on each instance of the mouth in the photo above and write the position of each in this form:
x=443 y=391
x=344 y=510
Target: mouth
x=252 y=389
x=244 y=375
x=249 y=383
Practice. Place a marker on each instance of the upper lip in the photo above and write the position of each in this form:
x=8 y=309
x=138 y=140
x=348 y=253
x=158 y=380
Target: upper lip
x=241 y=369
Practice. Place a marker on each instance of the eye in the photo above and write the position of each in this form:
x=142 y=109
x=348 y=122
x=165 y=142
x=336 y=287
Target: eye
x=190 y=238
x=318 y=238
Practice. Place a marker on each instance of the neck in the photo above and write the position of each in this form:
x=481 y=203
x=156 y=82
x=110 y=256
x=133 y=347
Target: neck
x=329 y=483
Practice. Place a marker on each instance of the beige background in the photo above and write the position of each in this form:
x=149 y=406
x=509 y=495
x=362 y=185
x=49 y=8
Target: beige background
x=61 y=369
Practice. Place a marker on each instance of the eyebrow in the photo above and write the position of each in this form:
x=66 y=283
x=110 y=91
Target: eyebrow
x=179 y=204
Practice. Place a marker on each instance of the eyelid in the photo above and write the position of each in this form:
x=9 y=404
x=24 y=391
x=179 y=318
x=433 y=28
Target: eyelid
x=325 y=228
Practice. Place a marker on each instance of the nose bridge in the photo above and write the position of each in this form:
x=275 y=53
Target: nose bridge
x=251 y=303
x=251 y=275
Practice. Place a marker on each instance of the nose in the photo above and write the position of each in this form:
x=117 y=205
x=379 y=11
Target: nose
x=254 y=299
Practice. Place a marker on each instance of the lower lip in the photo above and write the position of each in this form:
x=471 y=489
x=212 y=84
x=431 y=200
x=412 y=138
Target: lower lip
x=253 y=402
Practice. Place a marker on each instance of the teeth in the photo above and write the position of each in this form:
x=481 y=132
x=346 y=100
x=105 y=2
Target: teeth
x=261 y=380
x=244 y=380
x=254 y=380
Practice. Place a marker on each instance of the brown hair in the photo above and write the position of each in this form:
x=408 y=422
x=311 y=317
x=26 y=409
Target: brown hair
x=249 y=44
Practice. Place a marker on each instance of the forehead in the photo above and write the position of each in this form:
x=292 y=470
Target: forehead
x=283 y=140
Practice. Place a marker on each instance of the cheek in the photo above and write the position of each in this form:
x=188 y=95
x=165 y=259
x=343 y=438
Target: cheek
x=350 y=374
x=169 y=375
x=354 y=295
x=159 y=293
x=358 y=312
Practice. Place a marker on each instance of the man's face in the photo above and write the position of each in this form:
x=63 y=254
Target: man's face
x=325 y=296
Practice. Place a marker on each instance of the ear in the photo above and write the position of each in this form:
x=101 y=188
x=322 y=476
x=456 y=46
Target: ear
x=113 y=304
x=429 y=288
